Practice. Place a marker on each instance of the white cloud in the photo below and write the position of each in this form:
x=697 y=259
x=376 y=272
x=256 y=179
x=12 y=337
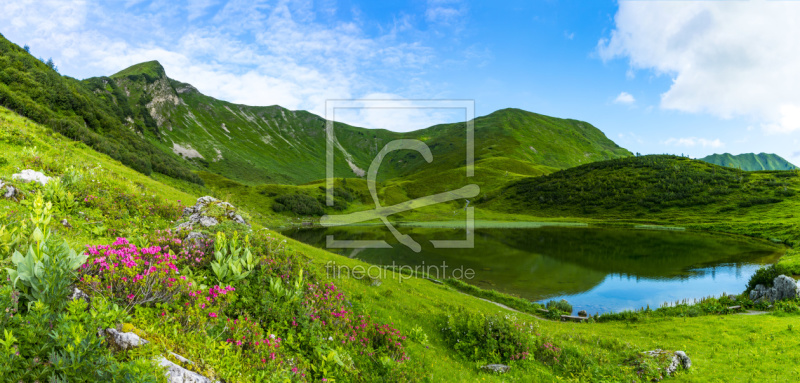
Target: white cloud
x=447 y=12
x=694 y=141
x=624 y=98
x=726 y=58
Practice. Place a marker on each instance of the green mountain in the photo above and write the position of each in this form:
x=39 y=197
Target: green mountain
x=151 y=122
x=271 y=144
x=750 y=161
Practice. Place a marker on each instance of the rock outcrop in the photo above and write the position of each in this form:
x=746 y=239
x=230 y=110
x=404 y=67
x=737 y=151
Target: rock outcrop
x=29 y=175
x=208 y=212
x=783 y=287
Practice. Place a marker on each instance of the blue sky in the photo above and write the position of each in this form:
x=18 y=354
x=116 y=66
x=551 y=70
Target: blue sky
x=693 y=77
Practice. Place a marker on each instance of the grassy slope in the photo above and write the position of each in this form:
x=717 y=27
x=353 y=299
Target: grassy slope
x=420 y=302
x=750 y=161
x=662 y=190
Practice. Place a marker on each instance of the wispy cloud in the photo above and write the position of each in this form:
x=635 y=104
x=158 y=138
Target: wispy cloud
x=694 y=141
x=624 y=98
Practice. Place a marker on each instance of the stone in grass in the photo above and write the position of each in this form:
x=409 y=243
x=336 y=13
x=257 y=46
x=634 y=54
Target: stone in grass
x=123 y=340
x=29 y=175
x=178 y=374
x=375 y=282
x=680 y=359
x=496 y=368
x=200 y=213
x=8 y=191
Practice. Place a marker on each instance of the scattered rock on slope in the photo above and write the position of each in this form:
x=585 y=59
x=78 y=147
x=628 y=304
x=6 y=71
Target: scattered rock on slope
x=209 y=211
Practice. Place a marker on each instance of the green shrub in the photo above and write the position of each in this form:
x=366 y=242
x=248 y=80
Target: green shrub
x=561 y=305
x=417 y=334
x=299 y=204
x=486 y=339
x=765 y=276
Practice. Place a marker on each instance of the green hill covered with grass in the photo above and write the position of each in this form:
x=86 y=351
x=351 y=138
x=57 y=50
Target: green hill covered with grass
x=750 y=161
x=276 y=145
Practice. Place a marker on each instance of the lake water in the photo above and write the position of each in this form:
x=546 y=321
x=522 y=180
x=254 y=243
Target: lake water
x=595 y=269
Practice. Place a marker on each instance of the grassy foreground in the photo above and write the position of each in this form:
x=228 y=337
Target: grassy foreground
x=445 y=335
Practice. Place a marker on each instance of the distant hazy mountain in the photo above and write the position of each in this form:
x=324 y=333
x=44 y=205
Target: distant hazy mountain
x=750 y=161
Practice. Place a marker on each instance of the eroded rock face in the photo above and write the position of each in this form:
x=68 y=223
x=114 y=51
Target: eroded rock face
x=29 y=175
x=208 y=212
x=784 y=287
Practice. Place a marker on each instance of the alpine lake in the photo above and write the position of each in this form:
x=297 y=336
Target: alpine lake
x=595 y=269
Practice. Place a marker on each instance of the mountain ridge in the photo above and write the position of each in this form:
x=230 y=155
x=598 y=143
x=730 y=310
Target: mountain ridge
x=277 y=145
x=750 y=161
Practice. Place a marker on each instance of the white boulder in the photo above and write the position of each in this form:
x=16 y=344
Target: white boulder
x=29 y=175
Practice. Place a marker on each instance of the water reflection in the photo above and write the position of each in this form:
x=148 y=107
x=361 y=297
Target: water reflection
x=595 y=269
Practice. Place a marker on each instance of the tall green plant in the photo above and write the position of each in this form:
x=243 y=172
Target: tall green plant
x=44 y=272
x=232 y=260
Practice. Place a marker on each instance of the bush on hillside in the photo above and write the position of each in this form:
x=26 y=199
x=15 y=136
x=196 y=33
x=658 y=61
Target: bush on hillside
x=299 y=204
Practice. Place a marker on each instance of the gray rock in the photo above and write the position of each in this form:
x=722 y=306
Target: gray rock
x=29 y=175
x=497 y=368
x=178 y=374
x=195 y=214
x=583 y=313
x=783 y=288
x=8 y=191
x=124 y=340
x=196 y=238
x=375 y=282
x=78 y=294
x=686 y=363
